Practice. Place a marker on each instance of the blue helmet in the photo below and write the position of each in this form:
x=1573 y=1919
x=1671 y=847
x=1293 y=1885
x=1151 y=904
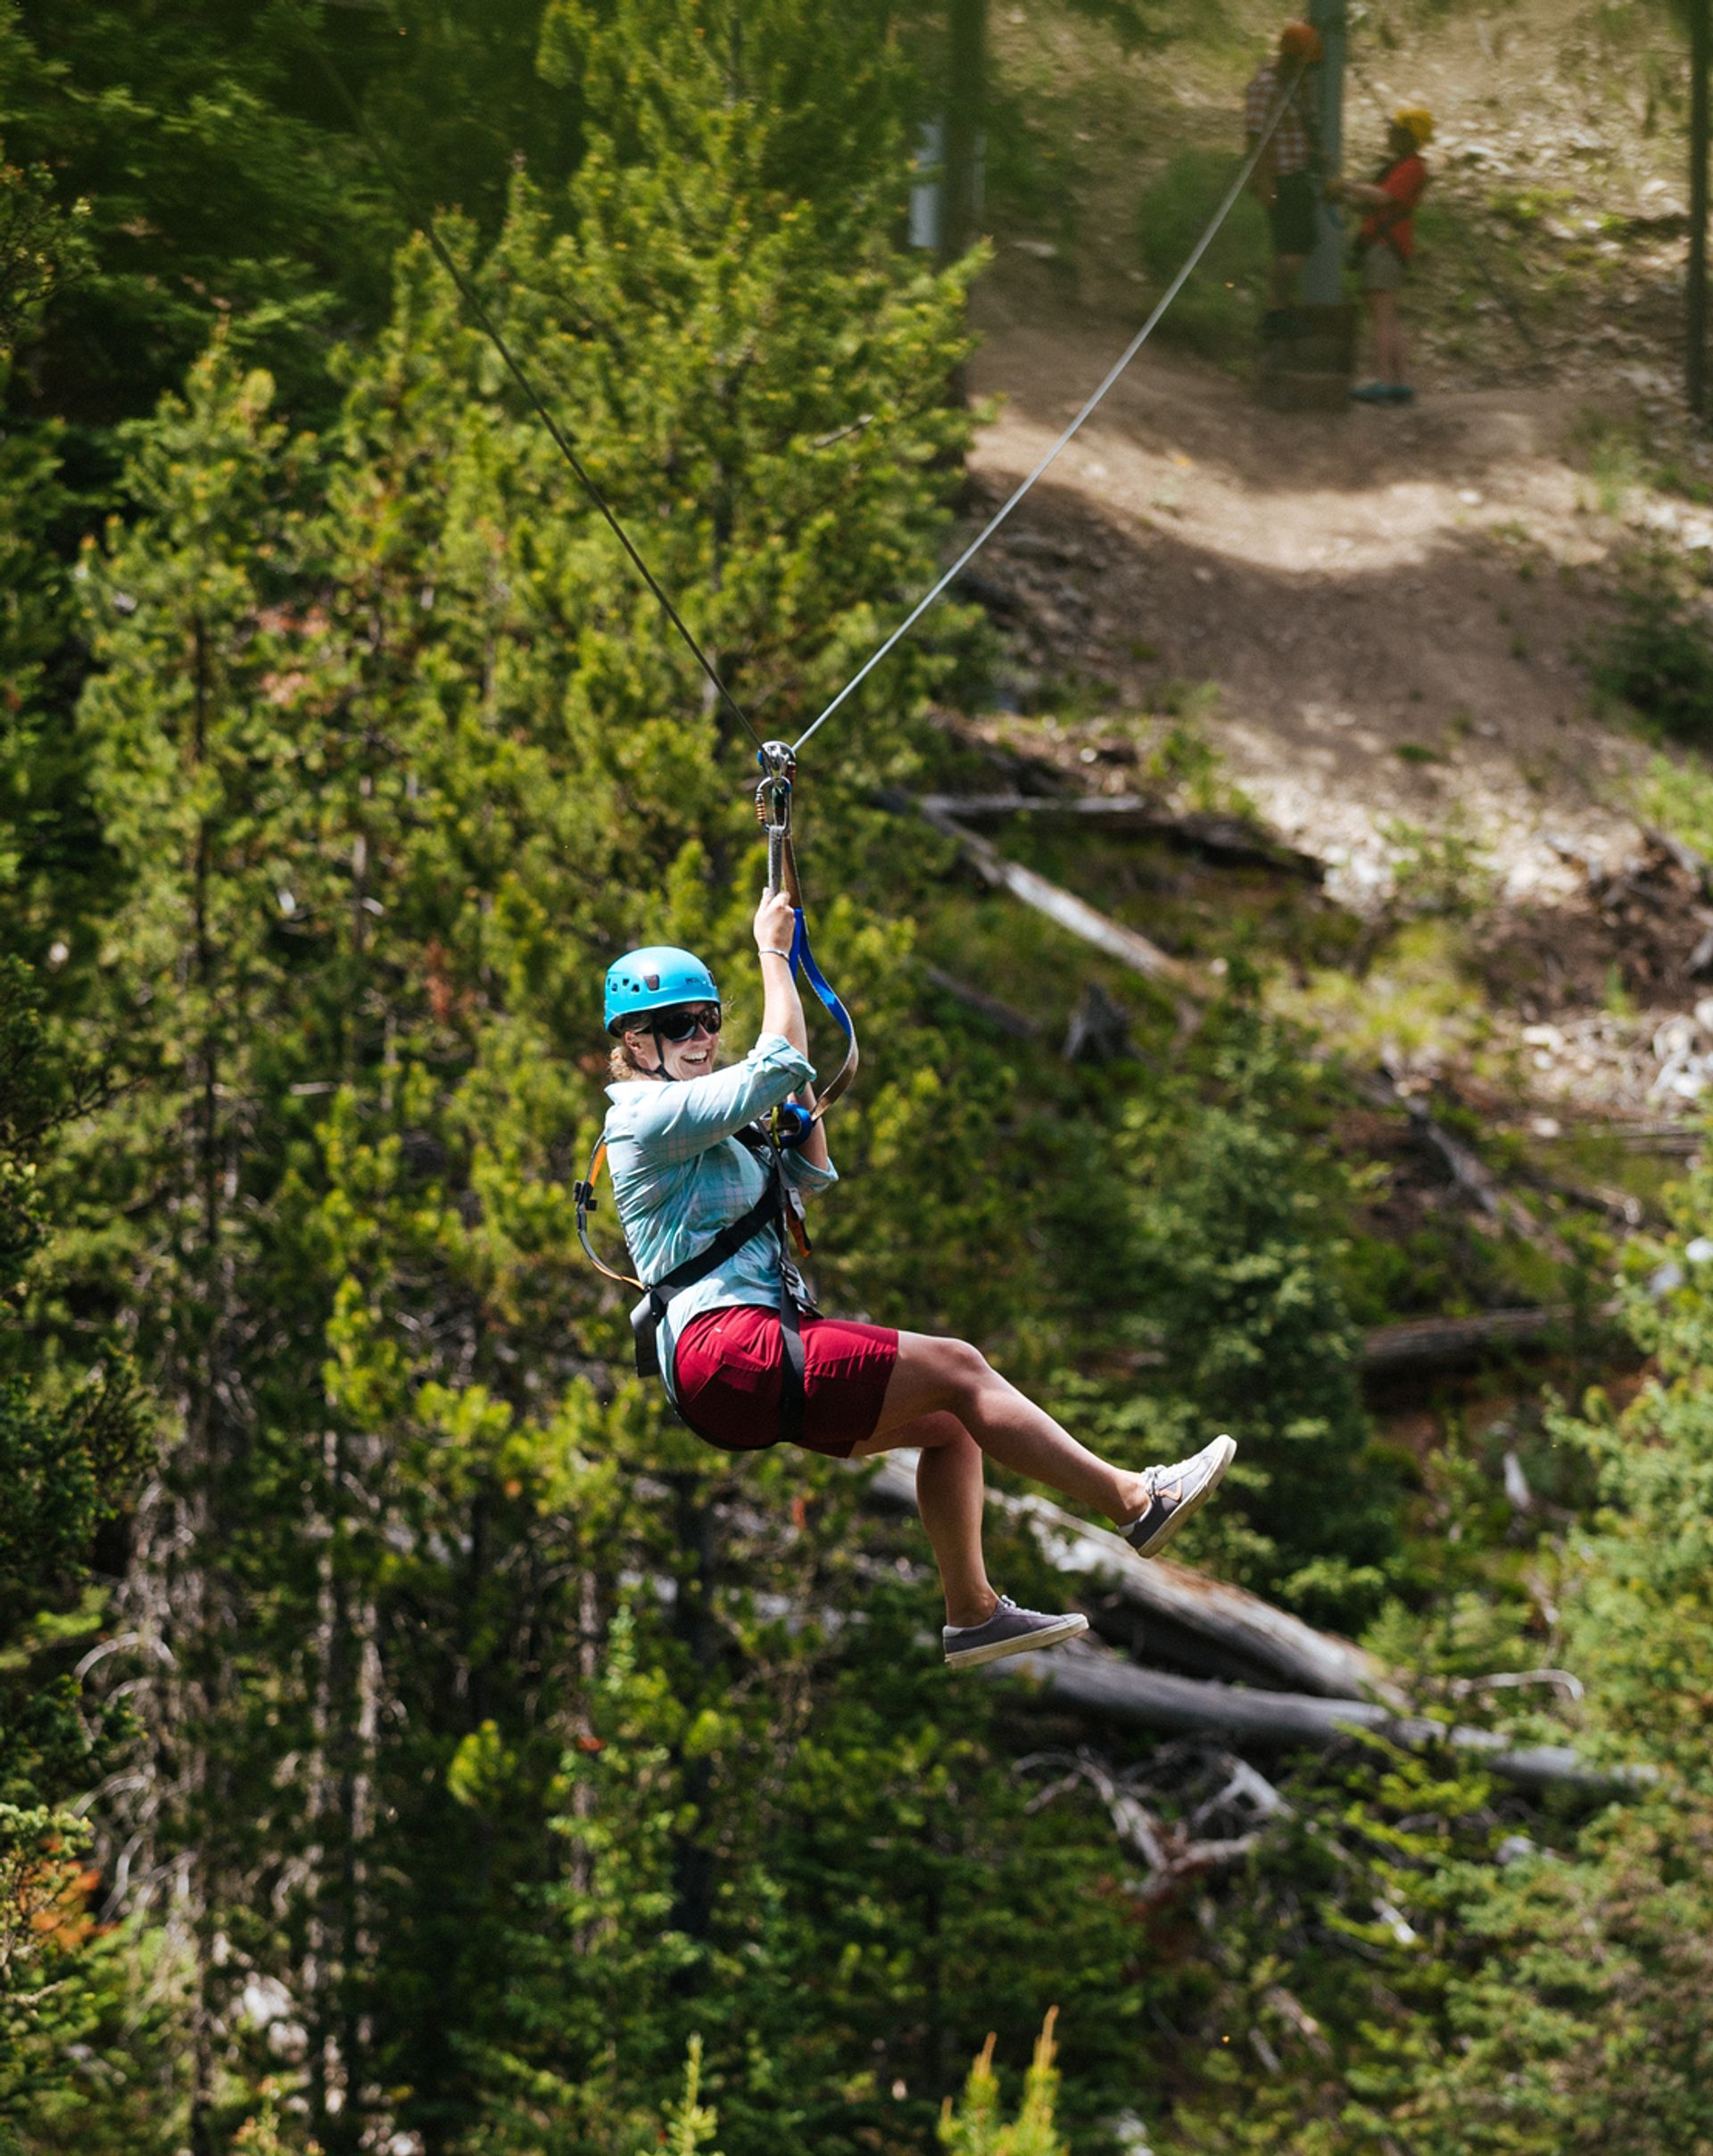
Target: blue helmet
x=654 y=978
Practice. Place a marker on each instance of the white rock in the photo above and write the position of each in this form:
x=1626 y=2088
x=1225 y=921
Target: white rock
x=1674 y=1039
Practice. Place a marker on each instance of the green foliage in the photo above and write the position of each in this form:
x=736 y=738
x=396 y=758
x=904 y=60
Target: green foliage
x=689 y=2124
x=1463 y=1994
x=41 y=246
x=1580 y=2023
x=220 y=181
x=1659 y=660
x=824 y=1868
x=1331 y=1955
x=1431 y=1970
x=68 y=1457
x=1216 y=312
x=261 y=2134
x=1234 y=1271
x=380 y=772
x=1641 y=1617
x=1446 y=873
x=975 y=2127
x=1676 y=794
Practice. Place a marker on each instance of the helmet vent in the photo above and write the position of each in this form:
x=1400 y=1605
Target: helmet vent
x=650 y=980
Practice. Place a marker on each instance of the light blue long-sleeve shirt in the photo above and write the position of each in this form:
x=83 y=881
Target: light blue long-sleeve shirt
x=680 y=1176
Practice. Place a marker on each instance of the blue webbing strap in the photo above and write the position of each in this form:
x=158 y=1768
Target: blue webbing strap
x=804 y=956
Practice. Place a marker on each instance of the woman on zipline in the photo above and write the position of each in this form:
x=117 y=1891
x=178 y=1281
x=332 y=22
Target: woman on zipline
x=687 y=1164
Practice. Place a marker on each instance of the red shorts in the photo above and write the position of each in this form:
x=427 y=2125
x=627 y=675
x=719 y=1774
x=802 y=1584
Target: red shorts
x=726 y=1379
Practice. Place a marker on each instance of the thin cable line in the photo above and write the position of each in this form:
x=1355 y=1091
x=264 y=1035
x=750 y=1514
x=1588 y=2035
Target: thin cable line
x=418 y=214
x=1129 y=353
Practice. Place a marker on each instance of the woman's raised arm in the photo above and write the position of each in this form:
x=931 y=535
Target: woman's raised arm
x=782 y=1008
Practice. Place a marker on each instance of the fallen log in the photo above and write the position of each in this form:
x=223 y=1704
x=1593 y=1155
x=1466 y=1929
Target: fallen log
x=1060 y=906
x=1468 y=1172
x=1616 y=1205
x=1230 y=838
x=1188 y=1619
x=1447 y=1343
x=1674 y=1140
x=1097 y=1681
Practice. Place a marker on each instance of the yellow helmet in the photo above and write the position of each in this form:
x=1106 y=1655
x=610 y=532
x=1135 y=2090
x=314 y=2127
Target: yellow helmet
x=1417 y=121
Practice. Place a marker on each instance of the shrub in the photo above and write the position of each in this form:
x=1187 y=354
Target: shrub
x=1659 y=660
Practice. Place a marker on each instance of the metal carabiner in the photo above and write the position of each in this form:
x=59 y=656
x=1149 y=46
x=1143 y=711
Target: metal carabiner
x=773 y=813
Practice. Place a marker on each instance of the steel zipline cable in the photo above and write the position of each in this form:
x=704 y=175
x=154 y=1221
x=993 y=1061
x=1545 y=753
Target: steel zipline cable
x=562 y=440
x=1075 y=427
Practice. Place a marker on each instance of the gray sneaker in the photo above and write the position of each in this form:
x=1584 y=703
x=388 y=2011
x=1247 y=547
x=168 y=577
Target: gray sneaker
x=1008 y=1631
x=1175 y=1494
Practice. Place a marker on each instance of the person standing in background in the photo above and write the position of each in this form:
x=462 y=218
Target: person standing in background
x=1385 y=246
x=1285 y=181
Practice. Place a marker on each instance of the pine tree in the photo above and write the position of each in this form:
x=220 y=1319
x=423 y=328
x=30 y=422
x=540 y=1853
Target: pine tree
x=1233 y=1268
x=192 y=765
x=974 y=2128
x=1641 y=1619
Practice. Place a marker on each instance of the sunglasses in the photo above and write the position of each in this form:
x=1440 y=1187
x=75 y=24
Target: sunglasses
x=677 y=1025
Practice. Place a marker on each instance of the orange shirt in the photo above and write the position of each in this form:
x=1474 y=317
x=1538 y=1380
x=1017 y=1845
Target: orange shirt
x=1404 y=182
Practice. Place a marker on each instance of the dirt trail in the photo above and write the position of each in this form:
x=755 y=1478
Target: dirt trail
x=1372 y=591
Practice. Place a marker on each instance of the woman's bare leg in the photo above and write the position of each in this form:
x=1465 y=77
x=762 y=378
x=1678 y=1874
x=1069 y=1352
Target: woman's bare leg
x=949 y=1497
x=936 y=1377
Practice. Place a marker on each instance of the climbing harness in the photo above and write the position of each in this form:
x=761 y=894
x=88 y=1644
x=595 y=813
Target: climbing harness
x=777 y=1211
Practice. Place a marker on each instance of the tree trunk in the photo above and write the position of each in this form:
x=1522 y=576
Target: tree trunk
x=697 y=1507
x=1700 y=50
x=966 y=26
x=1206 y=1624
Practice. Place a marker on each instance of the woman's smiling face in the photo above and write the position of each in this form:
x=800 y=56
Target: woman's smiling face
x=691 y=1057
